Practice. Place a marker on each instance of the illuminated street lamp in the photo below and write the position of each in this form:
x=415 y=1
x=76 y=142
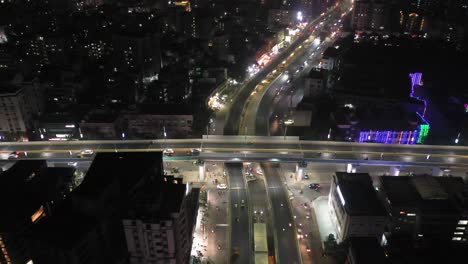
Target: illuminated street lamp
x=299 y=16
x=457 y=139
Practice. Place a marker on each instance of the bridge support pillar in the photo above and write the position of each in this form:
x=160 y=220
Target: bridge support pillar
x=394 y=171
x=300 y=166
x=436 y=171
x=201 y=171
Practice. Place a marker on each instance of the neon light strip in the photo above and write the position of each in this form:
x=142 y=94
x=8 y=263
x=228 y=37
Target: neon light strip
x=415 y=82
x=392 y=137
x=402 y=137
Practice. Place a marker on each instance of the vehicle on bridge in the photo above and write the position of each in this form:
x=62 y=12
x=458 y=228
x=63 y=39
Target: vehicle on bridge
x=168 y=152
x=85 y=153
x=195 y=151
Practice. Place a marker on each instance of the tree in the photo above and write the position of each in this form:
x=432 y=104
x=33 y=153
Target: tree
x=330 y=244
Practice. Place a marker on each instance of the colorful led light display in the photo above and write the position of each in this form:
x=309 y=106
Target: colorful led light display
x=402 y=137
x=423 y=131
x=390 y=137
x=416 y=81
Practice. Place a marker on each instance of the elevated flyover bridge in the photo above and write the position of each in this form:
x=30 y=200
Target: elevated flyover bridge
x=246 y=148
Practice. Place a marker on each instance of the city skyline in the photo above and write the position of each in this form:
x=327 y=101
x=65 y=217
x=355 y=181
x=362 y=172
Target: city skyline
x=251 y=131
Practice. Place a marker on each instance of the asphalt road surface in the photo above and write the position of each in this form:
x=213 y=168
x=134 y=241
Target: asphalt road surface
x=234 y=116
x=286 y=237
x=241 y=247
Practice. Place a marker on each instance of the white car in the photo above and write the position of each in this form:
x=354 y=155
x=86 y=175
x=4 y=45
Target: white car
x=168 y=152
x=87 y=152
x=195 y=151
x=222 y=186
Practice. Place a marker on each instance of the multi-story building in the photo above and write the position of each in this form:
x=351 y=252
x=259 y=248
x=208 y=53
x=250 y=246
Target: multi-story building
x=329 y=58
x=138 y=52
x=371 y=15
x=68 y=236
x=159 y=227
x=57 y=127
x=175 y=120
x=99 y=124
x=282 y=17
x=18 y=104
x=29 y=191
x=314 y=83
x=354 y=207
x=365 y=250
x=425 y=209
x=13 y=117
x=88 y=227
x=138 y=55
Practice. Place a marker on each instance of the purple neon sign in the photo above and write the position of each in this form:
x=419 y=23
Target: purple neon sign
x=401 y=137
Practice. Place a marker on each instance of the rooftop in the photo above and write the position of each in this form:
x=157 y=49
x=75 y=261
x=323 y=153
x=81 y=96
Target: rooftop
x=330 y=52
x=366 y=250
x=165 y=109
x=394 y=119
x=126 y=168
x=359 y=194
x=27 y=186
x=316 y=74
x=399 y=191
x=65 y=228
x=429 y=188
x=8 y=89
x=100 y=117
x=158 y=200
x=428 y=193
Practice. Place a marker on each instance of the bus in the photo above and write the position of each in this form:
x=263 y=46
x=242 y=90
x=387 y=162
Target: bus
x=260 y=244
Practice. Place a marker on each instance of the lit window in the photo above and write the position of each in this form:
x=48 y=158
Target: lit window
x=461 y=228
x=38 y=214
x=463 y=222
x=458 y=233
x=340 y=195
x=456 y=238
x=411 y=214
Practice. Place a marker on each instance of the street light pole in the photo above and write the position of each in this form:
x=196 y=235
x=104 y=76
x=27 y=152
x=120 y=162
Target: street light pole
x=165 y=136
x=457 y=139
x=207 y=131
x=285 y=130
